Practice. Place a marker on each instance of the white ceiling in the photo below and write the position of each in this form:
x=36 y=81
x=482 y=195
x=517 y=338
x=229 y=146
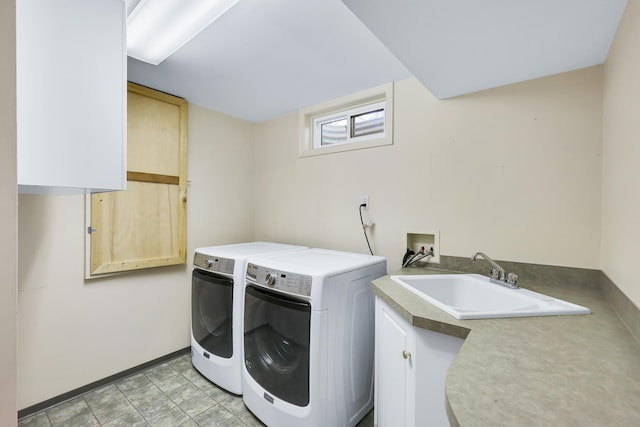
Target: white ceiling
x=265 y=58
x=462 y=46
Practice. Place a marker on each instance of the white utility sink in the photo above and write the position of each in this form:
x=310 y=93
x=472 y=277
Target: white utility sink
x=473 y=296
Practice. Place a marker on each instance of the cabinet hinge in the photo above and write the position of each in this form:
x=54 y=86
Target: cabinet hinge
x=91 y=230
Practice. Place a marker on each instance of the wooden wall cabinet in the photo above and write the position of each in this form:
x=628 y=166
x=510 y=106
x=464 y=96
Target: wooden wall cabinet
x=71 y=95
x=145 y=225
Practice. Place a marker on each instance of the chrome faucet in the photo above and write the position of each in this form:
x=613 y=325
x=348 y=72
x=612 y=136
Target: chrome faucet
x=498 y=275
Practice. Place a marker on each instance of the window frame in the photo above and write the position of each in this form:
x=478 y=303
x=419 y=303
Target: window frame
x=348 y=115
x=347 y=107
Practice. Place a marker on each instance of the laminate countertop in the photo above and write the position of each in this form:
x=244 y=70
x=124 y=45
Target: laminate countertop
x=580 y=370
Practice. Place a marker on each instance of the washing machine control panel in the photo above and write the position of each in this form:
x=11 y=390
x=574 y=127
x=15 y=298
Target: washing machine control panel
x=214 y=264
x=297 y=284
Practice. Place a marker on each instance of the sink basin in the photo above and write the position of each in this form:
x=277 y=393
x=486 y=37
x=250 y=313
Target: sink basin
x=473 y=296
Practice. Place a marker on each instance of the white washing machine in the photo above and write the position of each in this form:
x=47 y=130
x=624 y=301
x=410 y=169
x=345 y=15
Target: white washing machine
x=309 y=337
x=217 y=293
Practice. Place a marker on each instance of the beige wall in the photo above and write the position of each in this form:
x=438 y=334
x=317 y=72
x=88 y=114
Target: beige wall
x=8 y=214
x=72 y=332
x=513 y=171
x=621 y=156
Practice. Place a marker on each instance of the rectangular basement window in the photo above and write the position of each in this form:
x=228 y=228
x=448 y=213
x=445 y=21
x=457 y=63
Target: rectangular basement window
x=355 y=124
x=361 y=120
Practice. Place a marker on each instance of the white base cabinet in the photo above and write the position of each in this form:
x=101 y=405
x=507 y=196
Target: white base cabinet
x=410 y=368
x=71 y=95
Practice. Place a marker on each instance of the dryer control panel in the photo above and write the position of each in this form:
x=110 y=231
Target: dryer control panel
x=297 y=284
x=213 y=264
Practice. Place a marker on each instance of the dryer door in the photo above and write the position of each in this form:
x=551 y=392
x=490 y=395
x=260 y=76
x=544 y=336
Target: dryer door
x=211 y=312
x=276 y=344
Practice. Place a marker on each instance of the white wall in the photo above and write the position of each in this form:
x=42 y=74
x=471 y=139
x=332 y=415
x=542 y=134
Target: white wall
x=513 y=171
x=8 y=214
x=72 y=332
x=621 y=156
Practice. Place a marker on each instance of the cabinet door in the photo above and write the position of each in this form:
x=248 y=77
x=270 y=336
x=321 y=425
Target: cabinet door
x=71 y=95
x=145 y=225
x=393 y=368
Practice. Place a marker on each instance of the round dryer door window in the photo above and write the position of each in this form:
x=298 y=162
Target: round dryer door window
x=211 y=312
x=276 y=344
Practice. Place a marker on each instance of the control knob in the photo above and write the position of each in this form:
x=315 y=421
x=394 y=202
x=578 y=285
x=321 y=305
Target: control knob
x=270 y=279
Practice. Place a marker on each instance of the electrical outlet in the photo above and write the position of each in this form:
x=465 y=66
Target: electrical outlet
x=364 y=200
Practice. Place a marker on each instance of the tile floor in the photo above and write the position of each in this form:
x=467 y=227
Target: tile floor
x=170 y=394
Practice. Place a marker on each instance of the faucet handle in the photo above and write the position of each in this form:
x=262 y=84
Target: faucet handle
x=495 y=274
x=512 y=278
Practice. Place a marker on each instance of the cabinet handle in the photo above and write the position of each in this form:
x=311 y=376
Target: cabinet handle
x=406 y=354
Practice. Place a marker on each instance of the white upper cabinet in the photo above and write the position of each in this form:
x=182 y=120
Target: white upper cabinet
x=71 y=95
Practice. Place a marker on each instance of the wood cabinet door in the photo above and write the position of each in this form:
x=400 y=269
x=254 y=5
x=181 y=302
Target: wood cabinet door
x=145 y=225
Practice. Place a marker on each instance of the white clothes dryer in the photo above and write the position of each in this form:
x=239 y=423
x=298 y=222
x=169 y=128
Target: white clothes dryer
x=309 y=337
x=217 y=293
